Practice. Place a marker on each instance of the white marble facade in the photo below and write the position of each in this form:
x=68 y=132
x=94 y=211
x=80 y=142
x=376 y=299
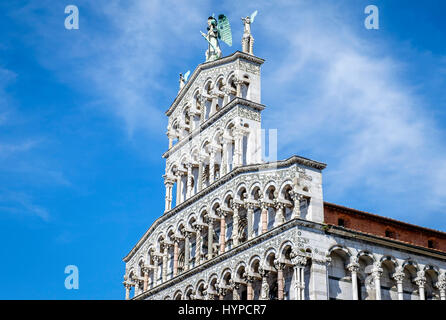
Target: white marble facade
x=243 y=229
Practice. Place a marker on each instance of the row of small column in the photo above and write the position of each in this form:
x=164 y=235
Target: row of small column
x=220 y=216
x=237 y=160
x=213 y=96
x=298 y=284
x=398 y=276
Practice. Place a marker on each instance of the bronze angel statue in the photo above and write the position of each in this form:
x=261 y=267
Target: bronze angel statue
x=248 y=39
x=217 y=29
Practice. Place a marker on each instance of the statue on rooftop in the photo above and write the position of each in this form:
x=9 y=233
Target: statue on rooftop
x=183 y=79
x=217 y=30
x=248 y=39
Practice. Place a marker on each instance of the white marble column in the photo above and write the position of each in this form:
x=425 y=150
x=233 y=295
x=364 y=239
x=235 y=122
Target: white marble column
x=189 y=180
x=441 y=285
x=299 y=261
x=224 y=158
x=398 y=276
x=128 y=287
x=187 y=236
x=250 y=218
x=168 y=182
x=210 y=237
x=420 y=280
x=200 y=176
x=178 y=175
x=264 y=217
x=235 y=221
x=353 y=267
x=155 y=280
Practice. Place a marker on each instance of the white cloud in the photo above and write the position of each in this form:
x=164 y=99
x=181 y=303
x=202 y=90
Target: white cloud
x=343 y=99
x=21 y=203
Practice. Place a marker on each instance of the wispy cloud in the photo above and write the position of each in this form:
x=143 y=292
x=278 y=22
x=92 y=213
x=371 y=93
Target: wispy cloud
x=122 y=54
x=22 y=204
x=343 y=98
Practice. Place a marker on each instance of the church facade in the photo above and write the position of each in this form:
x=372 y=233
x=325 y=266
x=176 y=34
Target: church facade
x=238 y=228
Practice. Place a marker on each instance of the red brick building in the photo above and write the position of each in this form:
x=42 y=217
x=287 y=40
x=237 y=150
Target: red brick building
x=383 y=227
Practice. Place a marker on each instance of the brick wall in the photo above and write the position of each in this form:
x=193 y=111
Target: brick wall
x=384 y=227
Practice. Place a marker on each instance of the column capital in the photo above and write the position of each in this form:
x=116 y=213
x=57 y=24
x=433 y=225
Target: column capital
x=420 y=280
x=353 y=266
x=398 y=276
x=249 y=278
x=298 y=258
x=169 y=180
x=278 y=264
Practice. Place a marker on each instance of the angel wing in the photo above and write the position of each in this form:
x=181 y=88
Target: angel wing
x=253 y=15
x=186 y=75
x=224 y=29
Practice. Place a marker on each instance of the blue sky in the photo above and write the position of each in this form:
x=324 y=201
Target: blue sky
x=82 y=125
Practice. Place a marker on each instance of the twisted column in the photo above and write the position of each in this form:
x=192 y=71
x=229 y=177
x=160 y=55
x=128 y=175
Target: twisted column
x=189 y=180
x=187 y=236
x=198 y=244
x=235 y=217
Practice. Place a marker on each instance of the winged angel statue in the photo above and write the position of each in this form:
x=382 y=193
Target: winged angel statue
x=220 y=29
x=248 y=39
x=183 y=79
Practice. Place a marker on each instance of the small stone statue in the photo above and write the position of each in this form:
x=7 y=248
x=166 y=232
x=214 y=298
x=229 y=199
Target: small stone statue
x=248 y=39
x=183 y=79
x=265 y=289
